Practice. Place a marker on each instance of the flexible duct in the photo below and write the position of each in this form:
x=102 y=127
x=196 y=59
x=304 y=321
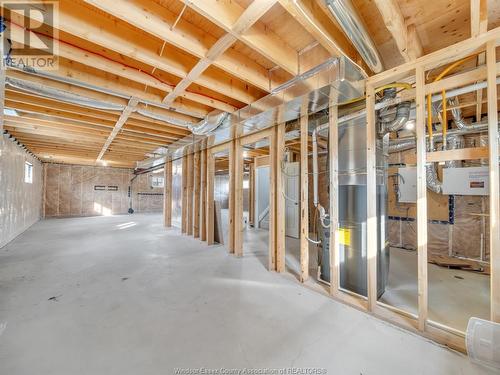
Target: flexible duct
x=433 y=182
x=351 y=24
x=457 y=114
x=402 y=146
x=209 y=123
x=454 y=142
x=388 y=124
x=392 y=123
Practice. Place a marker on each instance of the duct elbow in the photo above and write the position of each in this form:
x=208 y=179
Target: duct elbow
x=402 y=116
x=398 y=122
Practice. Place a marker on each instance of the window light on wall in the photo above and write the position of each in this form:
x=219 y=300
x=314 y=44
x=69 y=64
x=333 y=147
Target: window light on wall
x=157 y=182
x=28 y=172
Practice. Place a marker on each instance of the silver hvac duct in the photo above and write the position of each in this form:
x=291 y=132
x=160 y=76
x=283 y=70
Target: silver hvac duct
x=457 y=114
x=73 y=82
x=71 y=98
x=392 y=123
x=209 y=124
x=51 y=93
x=407 y=144
x=353 y=27
x=169 y=119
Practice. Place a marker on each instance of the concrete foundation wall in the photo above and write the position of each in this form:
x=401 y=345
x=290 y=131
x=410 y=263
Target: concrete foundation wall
x=75 y=190
x=20 y=202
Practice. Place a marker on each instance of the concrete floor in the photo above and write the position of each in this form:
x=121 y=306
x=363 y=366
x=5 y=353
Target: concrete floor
x=454 y=295
x=123 y=295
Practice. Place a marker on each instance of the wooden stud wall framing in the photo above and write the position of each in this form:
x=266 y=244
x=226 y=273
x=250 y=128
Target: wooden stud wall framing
x=251 y=195
x=203 y=194
x=238 y=197
x=421 y=199
x=210 y=197
x=304 y=192
x=418 y=69
x=232 y=197
x=241 y=142
x=196 y=194
x=167 y=194
x=494 y=177
x=279 y=152
x=184 y=195
x=272 y=201
x=190 y=185
x=415 y=70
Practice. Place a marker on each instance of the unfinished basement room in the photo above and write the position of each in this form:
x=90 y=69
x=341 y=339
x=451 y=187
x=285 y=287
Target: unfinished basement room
x=249 y=187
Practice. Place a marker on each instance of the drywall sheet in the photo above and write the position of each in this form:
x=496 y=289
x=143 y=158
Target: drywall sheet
x=20 y=202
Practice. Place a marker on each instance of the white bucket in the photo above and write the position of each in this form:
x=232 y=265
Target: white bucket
x=483 y=342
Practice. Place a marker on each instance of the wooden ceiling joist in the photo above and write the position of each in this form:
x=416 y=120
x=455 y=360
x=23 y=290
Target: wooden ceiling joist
x=404 y=35
x=251 y=15
x=225 y=14
x=119 y=124
x=314 y=19
x=158 y=21
x=479 y=25
x=78 y=21
x=70 y=53
x=87 y=116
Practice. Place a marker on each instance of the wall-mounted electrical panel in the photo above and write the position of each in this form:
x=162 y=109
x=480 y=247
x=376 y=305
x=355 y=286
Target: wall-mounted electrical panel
x=466 y=181
x=407 y=182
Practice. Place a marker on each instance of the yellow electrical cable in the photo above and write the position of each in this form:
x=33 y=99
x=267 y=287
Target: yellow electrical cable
x=429 y=118
x=358 y=99
x=443 y=94
x=402 y=85
x=444 y=118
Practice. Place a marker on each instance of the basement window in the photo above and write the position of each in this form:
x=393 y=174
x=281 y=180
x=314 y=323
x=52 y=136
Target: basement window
x=157 y=182
x=28 y=172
